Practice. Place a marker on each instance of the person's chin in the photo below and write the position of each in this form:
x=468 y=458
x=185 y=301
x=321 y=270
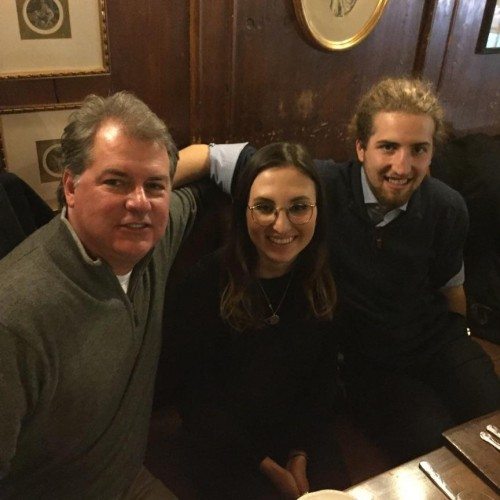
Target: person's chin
x=134 y=252
x=282 y=259
x=393 y=200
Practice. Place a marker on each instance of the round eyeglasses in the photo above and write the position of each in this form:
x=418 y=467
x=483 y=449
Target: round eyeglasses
x=266 y=214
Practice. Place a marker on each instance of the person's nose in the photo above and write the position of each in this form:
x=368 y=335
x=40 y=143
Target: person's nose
x=137 y=200
x=282 y=223
x=402 y=162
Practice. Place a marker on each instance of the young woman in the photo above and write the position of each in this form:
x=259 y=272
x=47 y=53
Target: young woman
x=253 y=335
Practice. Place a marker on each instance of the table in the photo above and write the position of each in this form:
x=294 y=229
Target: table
x=408 y=482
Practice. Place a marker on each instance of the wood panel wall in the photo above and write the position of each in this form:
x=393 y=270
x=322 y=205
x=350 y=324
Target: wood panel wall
x=233 y=70
x=282 y=87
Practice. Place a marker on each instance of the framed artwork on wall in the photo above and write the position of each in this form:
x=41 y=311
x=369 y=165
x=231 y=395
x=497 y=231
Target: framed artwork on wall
x=338 y=24
x=50 y=38
x=489 y=34
x=30 y=144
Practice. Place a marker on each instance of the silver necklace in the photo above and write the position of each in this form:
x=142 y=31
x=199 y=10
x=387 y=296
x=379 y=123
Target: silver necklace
x=274 y=318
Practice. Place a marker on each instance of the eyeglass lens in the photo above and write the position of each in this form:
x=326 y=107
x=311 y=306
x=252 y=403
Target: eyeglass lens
x=299 y=213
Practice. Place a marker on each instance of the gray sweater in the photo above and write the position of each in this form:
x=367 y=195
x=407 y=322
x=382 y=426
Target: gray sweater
x=78 y=358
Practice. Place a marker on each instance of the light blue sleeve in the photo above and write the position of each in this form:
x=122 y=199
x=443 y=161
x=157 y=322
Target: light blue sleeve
x=223 y=158
x=456 y=280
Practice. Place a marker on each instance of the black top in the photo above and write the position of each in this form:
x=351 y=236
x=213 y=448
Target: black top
x=248 y=388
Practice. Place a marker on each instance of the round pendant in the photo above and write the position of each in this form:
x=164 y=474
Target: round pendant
x=272 y=320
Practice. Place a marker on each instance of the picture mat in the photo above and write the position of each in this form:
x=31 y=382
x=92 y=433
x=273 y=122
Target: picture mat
x=322 y=19
x=19 y=134
x=81 y=53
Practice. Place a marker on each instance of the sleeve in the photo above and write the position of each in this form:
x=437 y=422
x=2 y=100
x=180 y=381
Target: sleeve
x=186 y=204
x=456 y=280
x=226 y=160
x=182 y=214
x=451 y=233
x=192 y=351
x=19 y=372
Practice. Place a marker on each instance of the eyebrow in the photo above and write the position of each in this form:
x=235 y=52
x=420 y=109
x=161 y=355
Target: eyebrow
x=120 y=173
x=394 y=143
x=113 y=171
x=260 y=199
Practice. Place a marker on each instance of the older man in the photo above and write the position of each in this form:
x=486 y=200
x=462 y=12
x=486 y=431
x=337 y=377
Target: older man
x=396 y=244
x=81 y=308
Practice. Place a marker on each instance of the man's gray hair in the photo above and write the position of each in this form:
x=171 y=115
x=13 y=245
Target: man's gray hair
x=136 y=118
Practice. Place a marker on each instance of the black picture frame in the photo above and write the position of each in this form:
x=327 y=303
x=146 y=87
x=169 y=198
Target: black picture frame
x=489 y=10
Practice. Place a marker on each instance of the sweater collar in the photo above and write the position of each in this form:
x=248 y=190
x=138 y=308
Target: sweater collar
x=83 y=253
x=70 y=255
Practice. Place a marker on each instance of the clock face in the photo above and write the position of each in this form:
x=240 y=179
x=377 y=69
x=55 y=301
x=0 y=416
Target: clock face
x=338 y=24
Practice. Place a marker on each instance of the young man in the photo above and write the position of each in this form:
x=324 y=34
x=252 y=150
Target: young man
x=81 y=307
x=396 y=240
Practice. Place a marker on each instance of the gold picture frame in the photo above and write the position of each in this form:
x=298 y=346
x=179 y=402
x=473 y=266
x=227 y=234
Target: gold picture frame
x=53 y=38
x=338 y=24
x=30 y=145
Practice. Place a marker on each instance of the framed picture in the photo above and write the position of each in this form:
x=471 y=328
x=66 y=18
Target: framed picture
x=489 y=34
x=30 y=144
x=338 y=24
x=50 y=38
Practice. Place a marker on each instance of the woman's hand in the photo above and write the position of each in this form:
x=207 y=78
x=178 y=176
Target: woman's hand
x=297 y=466
x=282 y=479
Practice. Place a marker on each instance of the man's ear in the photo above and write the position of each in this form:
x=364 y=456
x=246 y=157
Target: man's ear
x=360 y=151
x=69 y=184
